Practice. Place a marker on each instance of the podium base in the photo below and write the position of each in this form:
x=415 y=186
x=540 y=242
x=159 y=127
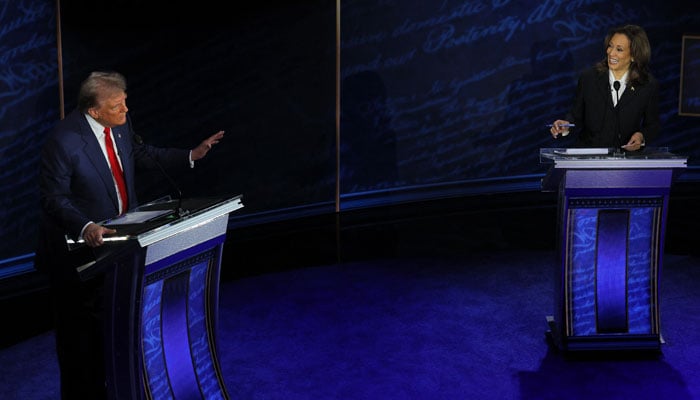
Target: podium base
x=618 y=343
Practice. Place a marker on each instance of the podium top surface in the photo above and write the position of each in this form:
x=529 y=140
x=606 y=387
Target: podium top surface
x=159 y=219
x=607 y=158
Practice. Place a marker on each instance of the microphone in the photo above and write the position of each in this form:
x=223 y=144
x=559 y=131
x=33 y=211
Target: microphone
x=178 y=211
x=616 y=86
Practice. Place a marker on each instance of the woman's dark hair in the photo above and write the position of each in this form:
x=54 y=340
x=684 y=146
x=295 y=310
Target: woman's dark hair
x=640 y=50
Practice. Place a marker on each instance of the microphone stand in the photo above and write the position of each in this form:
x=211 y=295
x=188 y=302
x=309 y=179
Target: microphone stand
x=616 y=86
x=179 y=211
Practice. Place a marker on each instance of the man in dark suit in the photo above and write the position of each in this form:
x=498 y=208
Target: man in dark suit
x=617 y=100
x=80 y=187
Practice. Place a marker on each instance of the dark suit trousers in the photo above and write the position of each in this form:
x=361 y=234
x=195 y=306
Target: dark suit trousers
x=78 y=318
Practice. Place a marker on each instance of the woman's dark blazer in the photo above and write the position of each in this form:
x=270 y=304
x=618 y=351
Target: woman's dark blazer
x=600 y=124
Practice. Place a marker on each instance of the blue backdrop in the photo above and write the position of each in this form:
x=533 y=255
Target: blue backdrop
x=29 y=106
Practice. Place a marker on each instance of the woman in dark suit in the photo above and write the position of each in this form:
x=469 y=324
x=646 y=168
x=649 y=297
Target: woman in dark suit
x=616 y=103
x=78 y=190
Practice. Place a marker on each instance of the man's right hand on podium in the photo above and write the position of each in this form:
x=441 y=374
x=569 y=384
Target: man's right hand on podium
x=93 y=234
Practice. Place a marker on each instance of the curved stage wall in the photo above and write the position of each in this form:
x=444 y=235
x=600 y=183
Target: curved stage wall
x=437 y=99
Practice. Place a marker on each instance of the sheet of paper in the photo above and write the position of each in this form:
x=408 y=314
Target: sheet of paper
x=583 y=151
x=136 y=217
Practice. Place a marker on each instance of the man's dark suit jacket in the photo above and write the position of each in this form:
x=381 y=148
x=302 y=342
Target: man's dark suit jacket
x=598 y=121
x=76 y=186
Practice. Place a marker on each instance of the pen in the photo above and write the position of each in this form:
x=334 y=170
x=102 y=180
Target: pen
x=562 y=125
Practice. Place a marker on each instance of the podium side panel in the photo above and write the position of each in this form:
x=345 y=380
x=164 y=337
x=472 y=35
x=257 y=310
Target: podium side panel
x=123 y=280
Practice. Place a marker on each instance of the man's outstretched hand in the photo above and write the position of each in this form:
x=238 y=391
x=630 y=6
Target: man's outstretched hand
x=203 y=148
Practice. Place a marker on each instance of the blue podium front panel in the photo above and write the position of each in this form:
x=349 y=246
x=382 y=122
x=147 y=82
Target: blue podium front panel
x=611 y=271
x=178 y=333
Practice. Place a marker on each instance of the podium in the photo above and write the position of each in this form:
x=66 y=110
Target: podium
x=161 y=272
x=611 y=224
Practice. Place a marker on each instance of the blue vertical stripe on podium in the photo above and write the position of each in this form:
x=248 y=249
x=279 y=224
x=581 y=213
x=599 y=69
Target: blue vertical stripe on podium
x=611 y=271
x=178 y=356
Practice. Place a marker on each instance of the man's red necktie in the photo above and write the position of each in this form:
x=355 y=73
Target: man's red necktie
x=116 y=169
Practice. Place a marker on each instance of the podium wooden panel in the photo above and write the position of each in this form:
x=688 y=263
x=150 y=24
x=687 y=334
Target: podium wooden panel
x=161 y=292
x=612 y=221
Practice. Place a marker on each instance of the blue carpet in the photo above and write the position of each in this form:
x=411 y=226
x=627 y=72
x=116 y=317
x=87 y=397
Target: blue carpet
x=467 y=326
